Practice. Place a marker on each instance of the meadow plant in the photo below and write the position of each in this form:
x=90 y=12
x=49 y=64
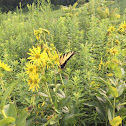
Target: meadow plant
x=110 y=96
x=43 y=69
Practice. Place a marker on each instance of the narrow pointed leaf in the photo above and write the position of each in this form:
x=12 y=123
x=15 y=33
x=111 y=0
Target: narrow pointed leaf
x=7 y=120
x=120 y=88
x=118 y=72
x=109 y=114
x=7 y=93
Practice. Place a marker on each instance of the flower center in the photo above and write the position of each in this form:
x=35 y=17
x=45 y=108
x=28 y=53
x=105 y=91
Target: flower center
x=35 y=81
x=30 y=81
x=30 y=69
x=37 y=56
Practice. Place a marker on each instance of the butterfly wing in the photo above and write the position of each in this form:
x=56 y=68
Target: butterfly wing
x=65 y=58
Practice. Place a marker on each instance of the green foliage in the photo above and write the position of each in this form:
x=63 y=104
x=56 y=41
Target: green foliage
x=90 y=90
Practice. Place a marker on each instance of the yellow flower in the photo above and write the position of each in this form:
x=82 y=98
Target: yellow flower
x=52 y=45
x=116 y=42
x=92 y=82
x=31 y=69
x=108 y=33
x=41 y=105
x=37 y=34
x=111 y=28
x=110 y=74
x=116 y=16
x=56 y=58
x=107 y=63
x=51 y=116
x=45 y=58
x=100 y=64
x=115 y=61
x=47 y=50
x=51 y=56
x=114 y=51
x=36 y=55
x=107 y=11
x=30 y=81
x=45 y=31
x=108 y=51
x=5 y=66
x=122 y=27
x=33 y=82
x=94 y=86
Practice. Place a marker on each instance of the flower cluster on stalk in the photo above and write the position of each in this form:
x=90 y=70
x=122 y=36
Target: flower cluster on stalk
x=112 y=65
x=40 y=60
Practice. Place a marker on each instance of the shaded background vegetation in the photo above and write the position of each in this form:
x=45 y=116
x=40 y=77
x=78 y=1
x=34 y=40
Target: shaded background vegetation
x=6 y=5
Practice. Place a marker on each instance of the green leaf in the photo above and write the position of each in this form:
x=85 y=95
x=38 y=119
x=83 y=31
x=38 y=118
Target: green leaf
x=7 y=120
x=60 y=93
x=124 y=64
x=122 y=112
x=101 y=112
x=74 y=6
x=64 y=102
x=21 y=119
x=99 y=108
x=109 y=114
x=124 y=103
x=102 y=92
x=124 y=52
x=118 y=72
x=69 y=118
x=116 y=121
x=43 y=94
x=48 y=122
x=101 y=79
x=89 y=103
x=7 y=93
x=12 y=111
x=120 y=88
x=112 y=65
x=113 y=90
x=100 y=99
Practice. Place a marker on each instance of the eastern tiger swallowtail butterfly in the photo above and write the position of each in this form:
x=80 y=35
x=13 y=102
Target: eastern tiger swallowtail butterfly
x=64 y=58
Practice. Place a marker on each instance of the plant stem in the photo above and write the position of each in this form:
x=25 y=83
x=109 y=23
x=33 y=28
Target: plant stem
x=5 y=116
x=106 y=117
x=61 y=79
x=114 y=107
x=49 y=94
x=2 y=84
x=55 y=89
x=62 y=82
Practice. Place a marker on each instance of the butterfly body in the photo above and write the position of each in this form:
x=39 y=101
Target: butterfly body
x=65 y=58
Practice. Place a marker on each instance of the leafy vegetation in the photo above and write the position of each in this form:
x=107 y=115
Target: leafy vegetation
x=90 y=90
